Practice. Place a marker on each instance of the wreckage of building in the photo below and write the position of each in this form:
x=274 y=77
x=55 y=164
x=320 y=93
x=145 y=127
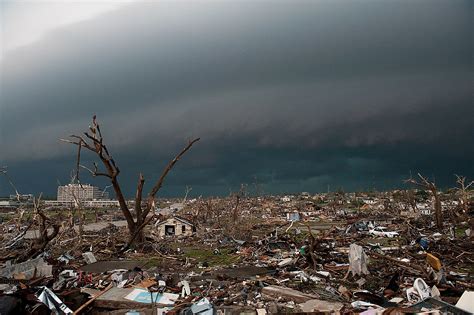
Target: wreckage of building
x=209 y=256
x=175 y=226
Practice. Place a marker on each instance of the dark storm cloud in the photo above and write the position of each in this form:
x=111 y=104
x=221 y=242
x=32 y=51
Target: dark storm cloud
x=294 y=93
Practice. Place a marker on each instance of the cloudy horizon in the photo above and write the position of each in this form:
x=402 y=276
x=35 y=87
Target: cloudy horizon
x=296 y=96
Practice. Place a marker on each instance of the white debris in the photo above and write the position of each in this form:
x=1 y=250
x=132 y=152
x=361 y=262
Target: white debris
x=357 y=260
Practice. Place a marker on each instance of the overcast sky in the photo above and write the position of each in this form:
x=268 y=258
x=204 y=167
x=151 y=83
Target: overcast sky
x=293 y=95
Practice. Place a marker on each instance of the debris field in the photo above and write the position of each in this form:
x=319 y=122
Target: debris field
x=246 y=255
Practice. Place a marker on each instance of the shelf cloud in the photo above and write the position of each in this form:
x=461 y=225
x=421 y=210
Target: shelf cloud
x=292 y=95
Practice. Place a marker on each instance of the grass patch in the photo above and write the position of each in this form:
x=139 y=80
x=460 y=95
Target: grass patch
x=224 y=258
x=153 y=262
x=6 y=217
x=460 y=232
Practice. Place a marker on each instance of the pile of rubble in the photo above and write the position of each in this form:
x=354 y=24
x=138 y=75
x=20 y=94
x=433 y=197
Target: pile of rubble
x=335 y=266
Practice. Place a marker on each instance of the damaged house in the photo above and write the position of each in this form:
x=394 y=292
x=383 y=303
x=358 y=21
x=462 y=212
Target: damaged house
x=175 y=226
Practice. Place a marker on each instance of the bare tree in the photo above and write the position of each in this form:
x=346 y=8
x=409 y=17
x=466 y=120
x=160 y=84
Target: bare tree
x=20 y=209
x=463 y=189
x=186 y=193
x=426 y=184
x=410 y=197
x=3 y=171
x=94 y=142
x=39 y=244
x=235 y=211
x=77 y=208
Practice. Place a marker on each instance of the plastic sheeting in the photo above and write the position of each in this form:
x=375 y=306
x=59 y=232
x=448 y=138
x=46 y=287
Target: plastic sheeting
x=357 y=260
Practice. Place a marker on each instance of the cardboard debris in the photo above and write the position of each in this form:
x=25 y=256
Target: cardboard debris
x=466 y=302
x=433 y=261
x=147 y=283
x=311 y=306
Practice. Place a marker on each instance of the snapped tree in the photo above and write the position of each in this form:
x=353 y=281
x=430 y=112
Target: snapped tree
x=463 y=188
x=94 y=142
x=426 y=184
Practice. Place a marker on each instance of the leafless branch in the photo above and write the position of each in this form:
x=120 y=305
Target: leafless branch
x=159 y=183
x=94 y=172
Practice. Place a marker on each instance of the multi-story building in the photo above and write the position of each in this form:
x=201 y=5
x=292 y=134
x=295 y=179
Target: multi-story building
x=23 y=198
x=15 y=201
x=81 y=192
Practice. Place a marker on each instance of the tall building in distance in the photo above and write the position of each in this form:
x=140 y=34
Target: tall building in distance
x=81 y=192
